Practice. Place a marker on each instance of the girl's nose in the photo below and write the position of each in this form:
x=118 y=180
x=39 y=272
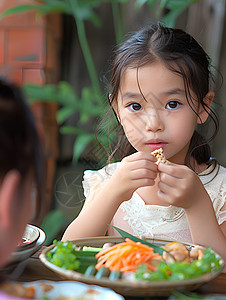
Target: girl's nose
x=154 y=122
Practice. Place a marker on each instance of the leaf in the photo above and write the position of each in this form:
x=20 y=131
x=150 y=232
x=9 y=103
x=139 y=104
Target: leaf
x=170 y=18
x=125 y=235
x=66 y=94
x=42 y=8
x=94 y=19
x=163 y=4
x=93 y=2
x=140 y=3
x=71 y=130
x=62 y=94
x=52 y=224
x=176 y=8
x=64 y=113
x=152 y=4
x=80 y=144
x=34 y=92
x=20 y=9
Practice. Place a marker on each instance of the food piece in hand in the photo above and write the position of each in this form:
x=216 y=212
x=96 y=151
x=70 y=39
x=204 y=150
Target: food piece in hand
x=159 y=154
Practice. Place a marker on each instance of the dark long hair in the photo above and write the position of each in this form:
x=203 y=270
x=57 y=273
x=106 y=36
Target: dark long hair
x=19 y=142
x=181 y=54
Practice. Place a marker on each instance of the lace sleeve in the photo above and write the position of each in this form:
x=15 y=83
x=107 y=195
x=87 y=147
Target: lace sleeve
x=219 y=203
x=222 y=213
x=93 y=181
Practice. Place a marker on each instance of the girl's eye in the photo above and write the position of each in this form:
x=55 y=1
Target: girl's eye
x=135 y=106
x=173 y=105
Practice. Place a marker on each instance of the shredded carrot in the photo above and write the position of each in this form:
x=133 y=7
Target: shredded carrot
x=127 y=256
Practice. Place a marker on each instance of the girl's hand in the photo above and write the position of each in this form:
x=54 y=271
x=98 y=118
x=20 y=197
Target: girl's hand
x=180 y=186
x=135 y=171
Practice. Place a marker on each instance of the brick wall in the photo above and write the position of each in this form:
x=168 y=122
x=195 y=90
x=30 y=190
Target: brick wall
x=29 y=53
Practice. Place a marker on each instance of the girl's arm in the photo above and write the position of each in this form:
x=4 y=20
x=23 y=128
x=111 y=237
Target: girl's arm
x=136 y=170
x=181 y=187
x=205 y=229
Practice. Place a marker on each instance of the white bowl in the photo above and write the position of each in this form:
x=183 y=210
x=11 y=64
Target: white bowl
x=30 y=237
x=23 y=254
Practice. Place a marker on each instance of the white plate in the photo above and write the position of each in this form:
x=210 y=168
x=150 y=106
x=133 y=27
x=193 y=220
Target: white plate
x=72 y=288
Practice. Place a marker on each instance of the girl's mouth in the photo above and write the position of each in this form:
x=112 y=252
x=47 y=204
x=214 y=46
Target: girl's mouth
x=154 y=146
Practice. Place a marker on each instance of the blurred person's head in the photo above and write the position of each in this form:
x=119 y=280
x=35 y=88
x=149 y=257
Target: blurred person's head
x=20 y=168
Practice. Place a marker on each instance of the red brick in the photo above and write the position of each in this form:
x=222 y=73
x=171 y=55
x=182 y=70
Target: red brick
x=33 y=76
x=24 y=19
x=1 y=47
x=26 y=47
x=15 y=75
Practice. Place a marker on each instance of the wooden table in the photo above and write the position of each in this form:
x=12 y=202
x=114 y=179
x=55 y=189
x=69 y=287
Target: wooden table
x=33 y=270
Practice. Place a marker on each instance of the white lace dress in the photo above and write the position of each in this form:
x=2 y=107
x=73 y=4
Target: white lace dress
x=168 y=222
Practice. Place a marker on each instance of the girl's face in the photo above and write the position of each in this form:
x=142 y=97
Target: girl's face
x=154 y=111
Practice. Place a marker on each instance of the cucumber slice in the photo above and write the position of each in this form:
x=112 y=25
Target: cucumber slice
x=90 y=271
x=115 y=275
x=103 y=272
x=92 y=249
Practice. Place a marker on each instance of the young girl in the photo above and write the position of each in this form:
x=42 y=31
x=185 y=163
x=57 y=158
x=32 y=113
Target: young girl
x=160 y=96
x=20 y=168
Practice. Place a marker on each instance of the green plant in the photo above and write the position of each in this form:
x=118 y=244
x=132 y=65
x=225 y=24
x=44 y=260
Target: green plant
x=90 y=105
x=69 y=104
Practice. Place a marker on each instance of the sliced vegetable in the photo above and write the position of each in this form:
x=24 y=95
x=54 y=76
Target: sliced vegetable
x=102 y=272
x=125 y=235
x=115 y=275
x=90 y=271
x=65 y=255
x=127 y=256
x=91 y=249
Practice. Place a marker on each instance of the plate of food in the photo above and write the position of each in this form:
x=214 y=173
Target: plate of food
x=61 y=290
x=132 y=266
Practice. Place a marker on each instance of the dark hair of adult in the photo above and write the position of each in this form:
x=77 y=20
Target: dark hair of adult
x=19 y=141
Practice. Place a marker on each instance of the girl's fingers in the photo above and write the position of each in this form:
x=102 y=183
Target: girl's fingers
x=170 y=194
x=141 y=156
x=143 y=164
x=143 y=182
x=173 y=170
x=166 y=188
x=164 y=197
x=142 y=174
x=169 y=179
x=140 y=161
